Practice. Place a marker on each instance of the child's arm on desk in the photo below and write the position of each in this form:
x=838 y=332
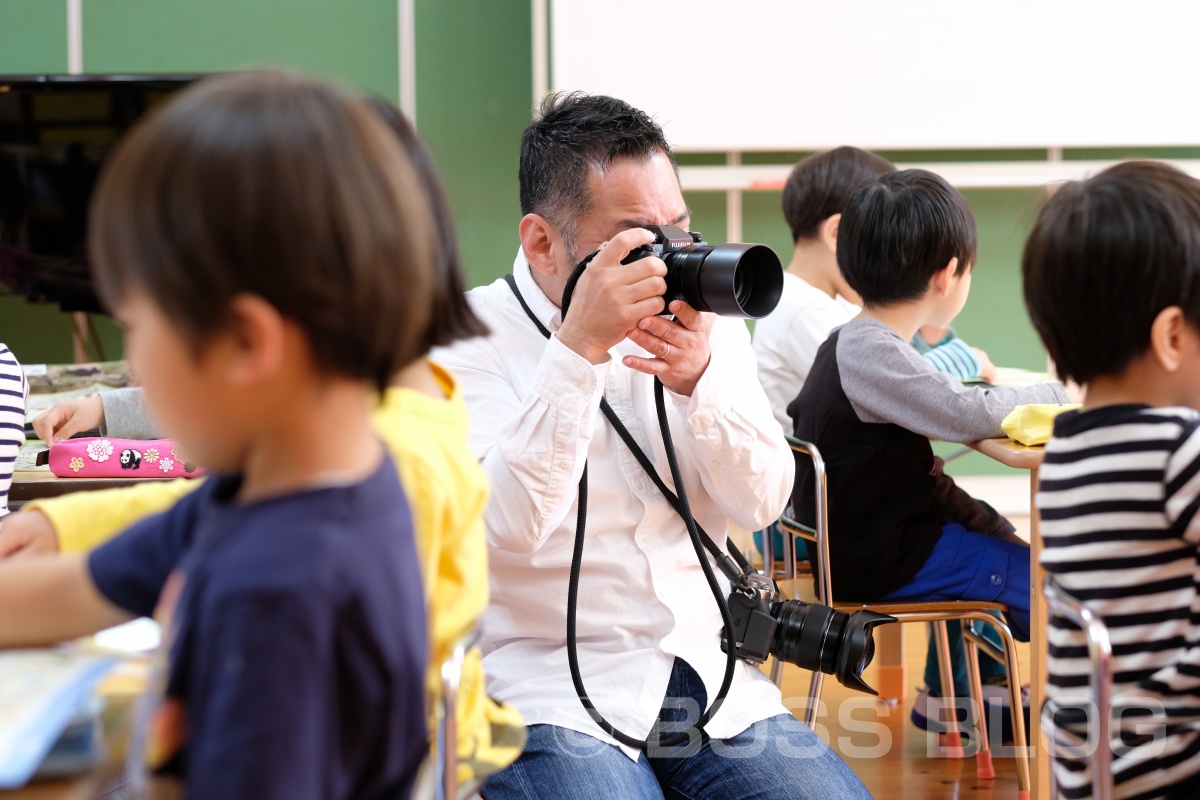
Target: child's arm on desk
x=886 y=381
x=78 y=522
x=47 y=600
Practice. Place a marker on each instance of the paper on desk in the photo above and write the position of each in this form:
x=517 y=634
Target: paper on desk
x=40 y=691
x=27 y=456
x=1017 y=378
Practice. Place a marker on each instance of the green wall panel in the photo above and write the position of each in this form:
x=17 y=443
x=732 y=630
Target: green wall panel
x=994 y=318
x=708 y=214
x=474 y=90
x=355 y=41
x=33 y=36
x=41 y=334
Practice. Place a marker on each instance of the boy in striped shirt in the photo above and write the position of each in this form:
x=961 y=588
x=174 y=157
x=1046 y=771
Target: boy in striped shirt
x=14 y=395
x=1112 y=283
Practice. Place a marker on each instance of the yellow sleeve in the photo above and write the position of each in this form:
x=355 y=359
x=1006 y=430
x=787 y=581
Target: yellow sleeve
x=84 y=520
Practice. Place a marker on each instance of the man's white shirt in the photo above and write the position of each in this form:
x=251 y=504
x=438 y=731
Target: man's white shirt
x=643 y=598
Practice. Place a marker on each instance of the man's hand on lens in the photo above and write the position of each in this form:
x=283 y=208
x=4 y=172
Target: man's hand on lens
x=610 y=297
x=679 y=346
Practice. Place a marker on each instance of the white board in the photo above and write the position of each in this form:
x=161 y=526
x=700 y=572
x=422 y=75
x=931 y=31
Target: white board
x=748 y=75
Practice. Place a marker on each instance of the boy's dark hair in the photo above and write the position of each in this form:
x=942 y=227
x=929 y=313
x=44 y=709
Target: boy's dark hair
x=572 y=134
x=820 y=186
x=899 y=230
x=1106 y=255
x=278 y=186
x=451 y=317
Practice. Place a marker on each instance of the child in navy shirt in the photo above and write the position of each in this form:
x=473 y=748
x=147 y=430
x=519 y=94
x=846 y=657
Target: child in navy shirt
x=268 y=249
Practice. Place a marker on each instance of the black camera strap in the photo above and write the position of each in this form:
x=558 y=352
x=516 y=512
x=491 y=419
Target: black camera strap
x=732 y=564
x=700 y=542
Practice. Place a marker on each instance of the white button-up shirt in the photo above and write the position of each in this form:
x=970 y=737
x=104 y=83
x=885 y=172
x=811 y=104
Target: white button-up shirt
x=643 y=599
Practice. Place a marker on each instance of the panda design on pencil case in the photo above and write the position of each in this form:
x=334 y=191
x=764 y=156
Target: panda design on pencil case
x=101 y=457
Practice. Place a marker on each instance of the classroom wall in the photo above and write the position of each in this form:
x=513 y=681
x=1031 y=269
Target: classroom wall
x=474 y=81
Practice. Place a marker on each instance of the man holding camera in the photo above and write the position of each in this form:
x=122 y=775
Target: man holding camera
x=594 y=173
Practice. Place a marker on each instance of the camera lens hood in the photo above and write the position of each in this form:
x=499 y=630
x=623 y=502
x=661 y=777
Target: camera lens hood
x=739 y=280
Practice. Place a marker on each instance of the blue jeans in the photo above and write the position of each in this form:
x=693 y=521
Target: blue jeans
x=774 y=759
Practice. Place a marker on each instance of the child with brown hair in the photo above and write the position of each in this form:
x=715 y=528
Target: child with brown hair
x=423 y=421
x=269 y=249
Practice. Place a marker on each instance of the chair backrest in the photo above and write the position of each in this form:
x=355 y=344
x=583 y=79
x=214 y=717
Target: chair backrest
x=1099 y=648
x=819 y=533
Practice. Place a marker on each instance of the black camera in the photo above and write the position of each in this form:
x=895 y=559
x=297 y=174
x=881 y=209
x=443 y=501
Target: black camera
x=734 y=280
x=812 y=636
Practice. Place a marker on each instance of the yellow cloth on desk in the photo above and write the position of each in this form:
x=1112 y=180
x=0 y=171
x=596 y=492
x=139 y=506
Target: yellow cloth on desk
x=1033 y=424
x=447 y=490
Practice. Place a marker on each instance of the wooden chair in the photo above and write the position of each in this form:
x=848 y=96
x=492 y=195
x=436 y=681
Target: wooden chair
x=938 y=613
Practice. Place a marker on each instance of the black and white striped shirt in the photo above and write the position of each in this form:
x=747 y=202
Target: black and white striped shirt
x=14 y=394
x=1120 y=486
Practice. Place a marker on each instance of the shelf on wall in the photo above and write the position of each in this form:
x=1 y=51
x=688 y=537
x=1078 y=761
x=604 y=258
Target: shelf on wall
x=963 y=175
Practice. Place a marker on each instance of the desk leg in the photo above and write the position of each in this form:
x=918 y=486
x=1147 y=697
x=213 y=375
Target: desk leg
x=1040 y=764
x=889 y=645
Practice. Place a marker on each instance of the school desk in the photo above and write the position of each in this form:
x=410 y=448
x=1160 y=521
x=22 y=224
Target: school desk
x=40 y=484
x=1020 y=456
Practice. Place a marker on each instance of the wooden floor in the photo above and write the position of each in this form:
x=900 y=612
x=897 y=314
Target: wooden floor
x=889 y=753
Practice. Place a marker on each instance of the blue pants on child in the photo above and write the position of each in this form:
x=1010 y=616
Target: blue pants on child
x=774 y=759
x=965 y=565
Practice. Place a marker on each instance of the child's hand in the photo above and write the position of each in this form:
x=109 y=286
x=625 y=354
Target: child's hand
x=68 y=418
x=27 y=533
x=988 y=370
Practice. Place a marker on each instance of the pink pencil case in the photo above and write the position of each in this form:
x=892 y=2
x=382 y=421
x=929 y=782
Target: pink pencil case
x=104 y=457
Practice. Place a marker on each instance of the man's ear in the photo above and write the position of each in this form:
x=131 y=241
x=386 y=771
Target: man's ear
x=827 y=232
x=1167 y=334
x=943 y=279
x=253 y=341
x=540 y=243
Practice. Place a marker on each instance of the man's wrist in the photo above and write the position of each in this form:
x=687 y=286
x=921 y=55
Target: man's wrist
x=582 y=347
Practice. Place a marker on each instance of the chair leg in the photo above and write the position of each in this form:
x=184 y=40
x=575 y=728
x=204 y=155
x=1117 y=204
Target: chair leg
x=768 y=552
x=1020 y=739
x=814 y=699
x=789 y=557
x=984 y=769
x=951 y=740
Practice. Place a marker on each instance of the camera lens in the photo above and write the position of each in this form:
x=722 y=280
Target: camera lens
x=733 y=280
x=818 y=638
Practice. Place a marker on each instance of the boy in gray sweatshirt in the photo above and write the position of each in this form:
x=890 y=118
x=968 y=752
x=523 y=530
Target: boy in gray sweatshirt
x=899 y=528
